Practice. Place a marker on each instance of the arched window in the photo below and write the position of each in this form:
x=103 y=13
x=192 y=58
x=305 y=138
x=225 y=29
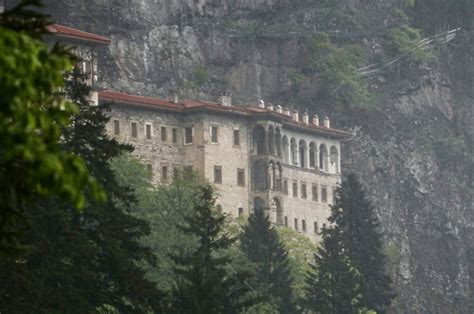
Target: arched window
x=276 y=205
x=259 y=142
x=278 y=141
x=285 y=149
x=278 y=176
x=312 y=155
x=271 y=174
x=302 y=153
x=323 y=157
x=293 y=151
x=334 y=159
x=271 y=140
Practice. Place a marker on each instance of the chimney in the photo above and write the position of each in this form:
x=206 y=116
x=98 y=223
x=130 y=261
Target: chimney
x=279 y=109
x=296 y=115
x=287 y=112
x=326 y=122
x=261 y=104
x=173 y=97
x=315 y=119
x=305 y=118
x=270 y=107
x=226 y=99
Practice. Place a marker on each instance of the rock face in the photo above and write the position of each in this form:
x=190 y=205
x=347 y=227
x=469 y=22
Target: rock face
x=405 y=151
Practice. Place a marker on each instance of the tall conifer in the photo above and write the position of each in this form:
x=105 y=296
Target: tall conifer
x=260 y=243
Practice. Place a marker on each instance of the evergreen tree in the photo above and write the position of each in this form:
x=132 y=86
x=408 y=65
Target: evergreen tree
x=204 y=283
x=333 y=284
x=355 y=215
x=82 y=261
x=262 y=246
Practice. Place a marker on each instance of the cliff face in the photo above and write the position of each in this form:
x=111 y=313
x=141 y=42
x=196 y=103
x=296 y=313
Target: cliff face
x=413 y=150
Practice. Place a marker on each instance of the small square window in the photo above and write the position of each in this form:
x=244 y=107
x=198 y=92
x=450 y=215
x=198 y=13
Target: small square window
x=164 y=135
x=134 y=129
x=236 y=137
x=241 y=177
x=188 y=135
x=148 y=131
x=295 y=189
x=174 y=133
x=213 y=134
x=218 y=174
x=296 y=223
x=303 y=191
x=314 y=192
x=303 y=225
x=164 y=173
x=116 y=127
x=324 y=194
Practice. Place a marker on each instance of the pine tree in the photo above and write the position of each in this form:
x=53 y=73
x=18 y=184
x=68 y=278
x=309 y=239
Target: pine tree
x=333 y=285
x=261 y=244
x=204 y=283
x=354 y=213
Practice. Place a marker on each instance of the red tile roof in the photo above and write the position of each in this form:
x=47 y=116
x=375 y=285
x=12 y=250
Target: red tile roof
x=73 y=33
x=190 y=105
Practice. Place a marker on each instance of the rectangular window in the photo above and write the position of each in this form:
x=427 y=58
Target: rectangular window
x=286 y=221
x=315 y=227
x=164 y=173
x=314 y=192
x=241 y=211
x=116 y=127
x=236 y=137
x=188 y=135
x=148 y=131
x=174 y=132
x=303 y=225
x=164 y=135
x=149 y=169
x=324 y=226
x=213 y=134
x=218 y=174
x=334 y=193
x=134 y=130
x=241 y=177
x=303 y=191
x=295 y=189
x=324 y=194
x=285 y=187
x=296 y=223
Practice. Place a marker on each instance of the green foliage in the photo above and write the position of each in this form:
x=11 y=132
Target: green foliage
x=405 y=41
x=336 y=67
x=334 y=282
x=203 y=283
x=362 y=242
x=200 y=75
x=32 y=161
x=272 y=277
x=449 y=151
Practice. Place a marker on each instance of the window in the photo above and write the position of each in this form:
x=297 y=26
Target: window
x=187 y=171
x=188 y=135
x=236 y=137
x=315 y=227
x=164 y=173
x=314 y=192
x=285 y=187
x=324 y=226
x=219 y=209
x=134 y=130
x=303 y=225
x=213 y=134
x=241 y=211
x=149 y=169
x=175 y=173
x=218 y=174
x=116 y=127
x=286 y=221
x=295 y=189
x=324 y=194
x=303 y=191
x=241 y=177
x=148 y=131
x=164 y=136
x=174 y=133
x=334 y=193
x=296 y=223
